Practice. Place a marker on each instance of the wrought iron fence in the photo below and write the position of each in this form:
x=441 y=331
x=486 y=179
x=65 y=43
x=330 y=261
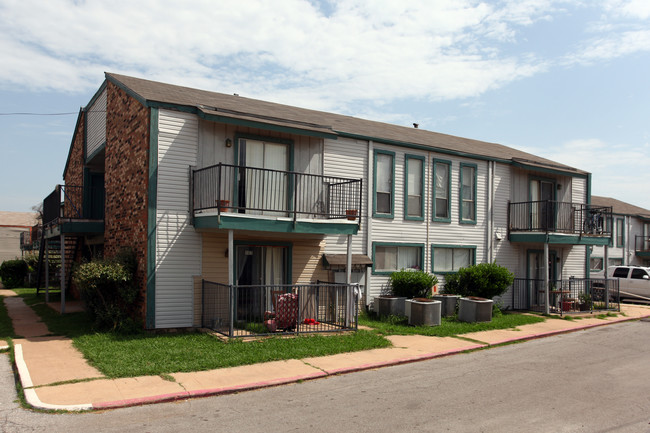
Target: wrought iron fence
x=243 y=311
x=566 y=296
x=560 y=217
x=233 y=188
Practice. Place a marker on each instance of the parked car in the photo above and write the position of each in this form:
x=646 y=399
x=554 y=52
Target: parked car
x=633 y=281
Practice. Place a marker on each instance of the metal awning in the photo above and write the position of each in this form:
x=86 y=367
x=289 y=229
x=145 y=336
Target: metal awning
x=340 y=260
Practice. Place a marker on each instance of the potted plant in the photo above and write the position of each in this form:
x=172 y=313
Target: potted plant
x=351 y=214
x=477 y=285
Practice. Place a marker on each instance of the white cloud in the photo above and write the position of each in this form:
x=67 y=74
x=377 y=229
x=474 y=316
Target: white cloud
x=364 y=50
x=618 y=170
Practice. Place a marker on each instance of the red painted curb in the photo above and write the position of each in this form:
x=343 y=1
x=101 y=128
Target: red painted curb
x=203 y=392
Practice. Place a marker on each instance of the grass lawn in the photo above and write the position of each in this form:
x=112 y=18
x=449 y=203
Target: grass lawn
x=449 y=326
x=127 y=356
x=154 y=354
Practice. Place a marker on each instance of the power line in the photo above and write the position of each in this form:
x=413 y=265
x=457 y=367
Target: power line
x=37 y=114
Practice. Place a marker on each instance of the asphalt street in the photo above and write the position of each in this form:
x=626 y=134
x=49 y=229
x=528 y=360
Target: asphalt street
x=588 y=381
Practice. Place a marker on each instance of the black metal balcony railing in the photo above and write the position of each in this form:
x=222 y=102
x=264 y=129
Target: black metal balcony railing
x=559 y=217
x=642 y=244
x=259 y=191
x=244 y=311
x=67 y=201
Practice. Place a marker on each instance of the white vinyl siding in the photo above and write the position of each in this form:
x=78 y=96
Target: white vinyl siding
x=349 y=159
x=96 y=124
x=178 y=245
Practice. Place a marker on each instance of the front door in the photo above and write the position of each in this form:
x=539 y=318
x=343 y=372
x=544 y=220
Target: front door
x=535 y=276
x=258 y=269
x=542 y=194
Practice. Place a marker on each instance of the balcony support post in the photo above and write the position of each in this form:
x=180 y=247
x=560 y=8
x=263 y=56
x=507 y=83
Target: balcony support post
x=605 y=263
x=231 y=281
x=348 y=281
x=547 y=286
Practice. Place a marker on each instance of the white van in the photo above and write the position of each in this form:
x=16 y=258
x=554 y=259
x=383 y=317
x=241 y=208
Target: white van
x=634 y=281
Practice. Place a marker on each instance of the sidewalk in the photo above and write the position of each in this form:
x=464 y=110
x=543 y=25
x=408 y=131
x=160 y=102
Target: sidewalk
x=54 y=375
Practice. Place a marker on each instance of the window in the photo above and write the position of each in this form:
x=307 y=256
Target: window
x=467 y=193
x=413 y=203
x=442 y=191
x=447 y=258
x=639 y=274
x=596 y=264
x=615 y=261
x=384 y=173
x=620 y=232
x=393 y=257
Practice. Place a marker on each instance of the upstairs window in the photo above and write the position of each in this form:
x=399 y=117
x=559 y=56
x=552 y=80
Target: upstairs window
x=413 y=202
x=468 y=193
x=620 y=232
x=384 y=181
x=442 y=191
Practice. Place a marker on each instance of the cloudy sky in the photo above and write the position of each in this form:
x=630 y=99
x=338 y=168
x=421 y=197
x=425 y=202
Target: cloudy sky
x=567 y=80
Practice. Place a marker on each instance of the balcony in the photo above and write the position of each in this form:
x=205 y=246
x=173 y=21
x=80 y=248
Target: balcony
x=231 y=196
x=642 y=246
x=559 y=222
x=71 y=209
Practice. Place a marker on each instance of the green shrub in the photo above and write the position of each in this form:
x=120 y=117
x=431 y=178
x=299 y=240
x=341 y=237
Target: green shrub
x=13 y=273
x=412 y=284
x=485 y=280
x=109 y=290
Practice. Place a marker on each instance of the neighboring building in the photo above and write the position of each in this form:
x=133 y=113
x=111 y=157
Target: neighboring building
x=630 y=244
x=12 y=224
x=237 y=191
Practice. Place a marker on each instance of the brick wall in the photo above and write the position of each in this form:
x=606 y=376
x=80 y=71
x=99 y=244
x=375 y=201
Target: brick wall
x=126 y=180
x=74 y=174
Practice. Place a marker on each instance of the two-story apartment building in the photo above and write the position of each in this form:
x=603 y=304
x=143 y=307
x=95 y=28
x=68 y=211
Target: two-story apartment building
x=246 y=193
x=630 y=243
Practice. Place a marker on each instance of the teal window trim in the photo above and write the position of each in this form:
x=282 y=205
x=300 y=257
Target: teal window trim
x=460 y=194
x=376 y=214
x=287 y=245
x=152 y=209
x=394 y=244
x=453 y=247
x=602 y=263
x=408 y=157
x=433 y=189
x=620 y=234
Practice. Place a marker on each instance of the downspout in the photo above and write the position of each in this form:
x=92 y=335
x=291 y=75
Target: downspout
x=489 y=235
x=369 y=187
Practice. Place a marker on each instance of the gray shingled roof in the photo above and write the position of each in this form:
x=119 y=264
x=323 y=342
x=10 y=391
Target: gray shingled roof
x=239 y=107
x=620 y=207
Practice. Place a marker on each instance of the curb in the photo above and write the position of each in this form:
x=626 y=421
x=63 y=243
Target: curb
x=30 y=393
x=34 y=401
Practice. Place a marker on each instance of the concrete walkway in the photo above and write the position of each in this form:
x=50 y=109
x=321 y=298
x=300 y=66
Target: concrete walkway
x=54 y=375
